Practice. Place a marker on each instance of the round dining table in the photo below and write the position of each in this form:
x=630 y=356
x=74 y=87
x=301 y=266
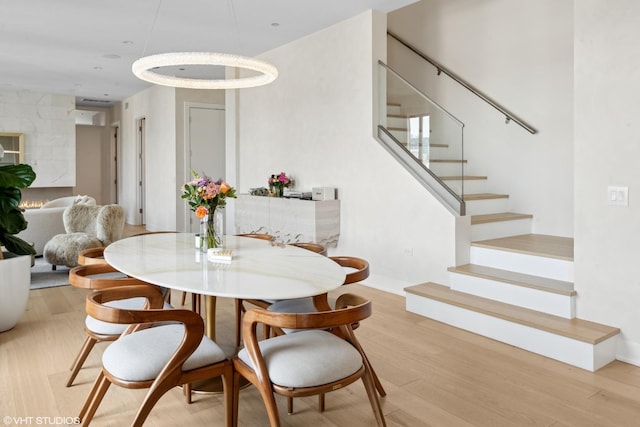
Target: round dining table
x=258 y=269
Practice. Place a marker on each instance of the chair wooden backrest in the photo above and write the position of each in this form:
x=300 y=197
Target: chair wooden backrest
x=360 y=265
x=353 y=308
x=262 y=236
x=92 y=256
x=92 y=276
x=311 y=246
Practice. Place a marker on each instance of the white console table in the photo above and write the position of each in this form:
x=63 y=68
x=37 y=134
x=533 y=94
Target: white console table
x=289 y=220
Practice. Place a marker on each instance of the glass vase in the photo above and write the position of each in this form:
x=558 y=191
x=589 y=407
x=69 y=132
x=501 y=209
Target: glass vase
x=207 y=232
x=212 y=229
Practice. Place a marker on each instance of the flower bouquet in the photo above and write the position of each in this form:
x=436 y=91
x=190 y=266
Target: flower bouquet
x=204 y=196
x=277 y=183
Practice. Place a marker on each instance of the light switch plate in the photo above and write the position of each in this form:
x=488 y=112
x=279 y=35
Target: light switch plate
x=618 y=196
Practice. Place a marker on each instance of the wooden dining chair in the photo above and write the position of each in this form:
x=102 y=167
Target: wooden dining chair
x=99 y=276
x=323 y=356
x=174 y=352
x=357 y=271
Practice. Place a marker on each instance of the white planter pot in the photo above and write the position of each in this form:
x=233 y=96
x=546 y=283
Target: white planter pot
x=15 y=274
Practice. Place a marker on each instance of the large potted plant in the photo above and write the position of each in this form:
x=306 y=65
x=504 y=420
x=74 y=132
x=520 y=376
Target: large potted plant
x=15 y=262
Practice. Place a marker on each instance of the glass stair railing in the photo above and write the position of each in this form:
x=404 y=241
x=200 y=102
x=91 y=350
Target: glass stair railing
x=423 y=136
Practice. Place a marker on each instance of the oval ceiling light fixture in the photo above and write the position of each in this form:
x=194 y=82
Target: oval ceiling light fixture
x=144 y=68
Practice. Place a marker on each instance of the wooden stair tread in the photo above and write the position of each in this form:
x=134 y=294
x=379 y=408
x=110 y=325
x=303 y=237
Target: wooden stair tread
x=498 y=217
x=514 y=278
x=439 y=145
x=397 y=128
x=581 y=330
x=462 y=178
x=483 y=196
x=397 y=116
x=532 y=244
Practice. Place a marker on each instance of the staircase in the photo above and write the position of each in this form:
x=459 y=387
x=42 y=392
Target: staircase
x=518 y=286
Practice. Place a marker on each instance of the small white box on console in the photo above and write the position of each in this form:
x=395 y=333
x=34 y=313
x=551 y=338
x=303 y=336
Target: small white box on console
x=324 y=193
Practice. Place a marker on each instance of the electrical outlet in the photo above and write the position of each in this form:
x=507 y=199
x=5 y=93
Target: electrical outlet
x=618 y=196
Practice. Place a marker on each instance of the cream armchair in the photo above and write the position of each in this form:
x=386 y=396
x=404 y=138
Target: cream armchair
x=46 y=222
x=86 y=227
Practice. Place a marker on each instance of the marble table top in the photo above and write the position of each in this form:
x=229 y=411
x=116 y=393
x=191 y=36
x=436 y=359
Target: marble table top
x=258 y=269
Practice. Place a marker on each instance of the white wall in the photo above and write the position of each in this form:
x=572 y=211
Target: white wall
x=315 y=123
x=48 y=124
x=520 y=54
x=607 y=148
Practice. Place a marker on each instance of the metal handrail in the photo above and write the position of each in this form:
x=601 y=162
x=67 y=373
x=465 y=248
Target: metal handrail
x=508 y=115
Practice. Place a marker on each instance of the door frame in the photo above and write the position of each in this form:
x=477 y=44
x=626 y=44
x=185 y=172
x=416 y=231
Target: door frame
x=141 y=169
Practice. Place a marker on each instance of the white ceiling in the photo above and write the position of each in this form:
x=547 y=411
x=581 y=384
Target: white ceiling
x=85 y=48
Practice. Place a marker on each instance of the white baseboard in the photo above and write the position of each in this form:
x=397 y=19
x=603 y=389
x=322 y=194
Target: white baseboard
x=628 y=351
x=386 y=284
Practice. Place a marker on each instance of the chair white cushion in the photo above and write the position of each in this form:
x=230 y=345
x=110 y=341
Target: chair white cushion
x=297 y=305
x=105 y=328
x=142 y=355
x=307 y=358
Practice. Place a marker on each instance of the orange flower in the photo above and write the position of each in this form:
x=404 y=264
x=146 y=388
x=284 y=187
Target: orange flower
x=224 y=187
x=201 y=212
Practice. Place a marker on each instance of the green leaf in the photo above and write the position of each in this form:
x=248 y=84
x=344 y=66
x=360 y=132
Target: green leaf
x=17 y=245
x=9 y=199
x=18 y=176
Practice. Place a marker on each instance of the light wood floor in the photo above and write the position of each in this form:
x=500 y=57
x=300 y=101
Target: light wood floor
x=435 y=375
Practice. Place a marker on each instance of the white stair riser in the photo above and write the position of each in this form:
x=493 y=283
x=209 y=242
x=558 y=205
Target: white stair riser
x=558 y=347
x=521 y=296
x=487 y=206
x=446 y=169
x=394 y=109
x=399 y=135
x=440 y=152
x=397 y=122
x=552 y=268
x=495 y=230
x=471 y=186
